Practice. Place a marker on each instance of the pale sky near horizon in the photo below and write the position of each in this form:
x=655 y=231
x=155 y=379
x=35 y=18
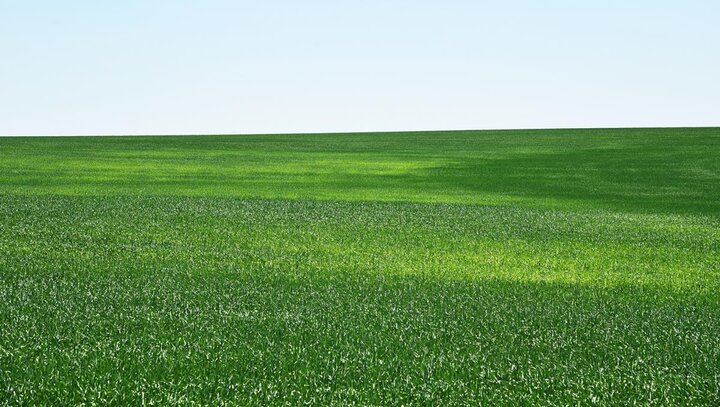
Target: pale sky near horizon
x=199 y=67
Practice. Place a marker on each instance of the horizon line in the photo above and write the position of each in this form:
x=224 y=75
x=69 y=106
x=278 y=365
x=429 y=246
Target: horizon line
x=500 y=129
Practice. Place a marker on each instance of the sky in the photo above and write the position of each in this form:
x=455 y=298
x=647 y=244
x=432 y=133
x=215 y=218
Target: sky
x=206 y=67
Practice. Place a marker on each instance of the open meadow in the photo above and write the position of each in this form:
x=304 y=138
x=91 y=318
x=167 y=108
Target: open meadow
x=435 y=268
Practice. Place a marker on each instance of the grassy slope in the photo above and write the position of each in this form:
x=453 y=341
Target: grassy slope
x=668 y=170
x=443 y=267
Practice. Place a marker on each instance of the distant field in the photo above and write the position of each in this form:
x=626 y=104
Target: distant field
x=438 y=268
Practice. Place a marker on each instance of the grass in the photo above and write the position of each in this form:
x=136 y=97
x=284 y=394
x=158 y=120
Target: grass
x=509 y=267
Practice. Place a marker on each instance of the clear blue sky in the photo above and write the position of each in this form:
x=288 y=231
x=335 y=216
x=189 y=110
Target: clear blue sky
x=158 y=67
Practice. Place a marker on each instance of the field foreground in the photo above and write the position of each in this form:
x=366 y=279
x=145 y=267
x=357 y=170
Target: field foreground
x=441 y=268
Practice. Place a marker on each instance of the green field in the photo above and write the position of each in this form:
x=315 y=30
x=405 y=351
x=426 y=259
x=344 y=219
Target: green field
x=436 y=268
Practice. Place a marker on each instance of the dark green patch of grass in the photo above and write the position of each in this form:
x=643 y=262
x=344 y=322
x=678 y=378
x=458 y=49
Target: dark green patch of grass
x=531 y=268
